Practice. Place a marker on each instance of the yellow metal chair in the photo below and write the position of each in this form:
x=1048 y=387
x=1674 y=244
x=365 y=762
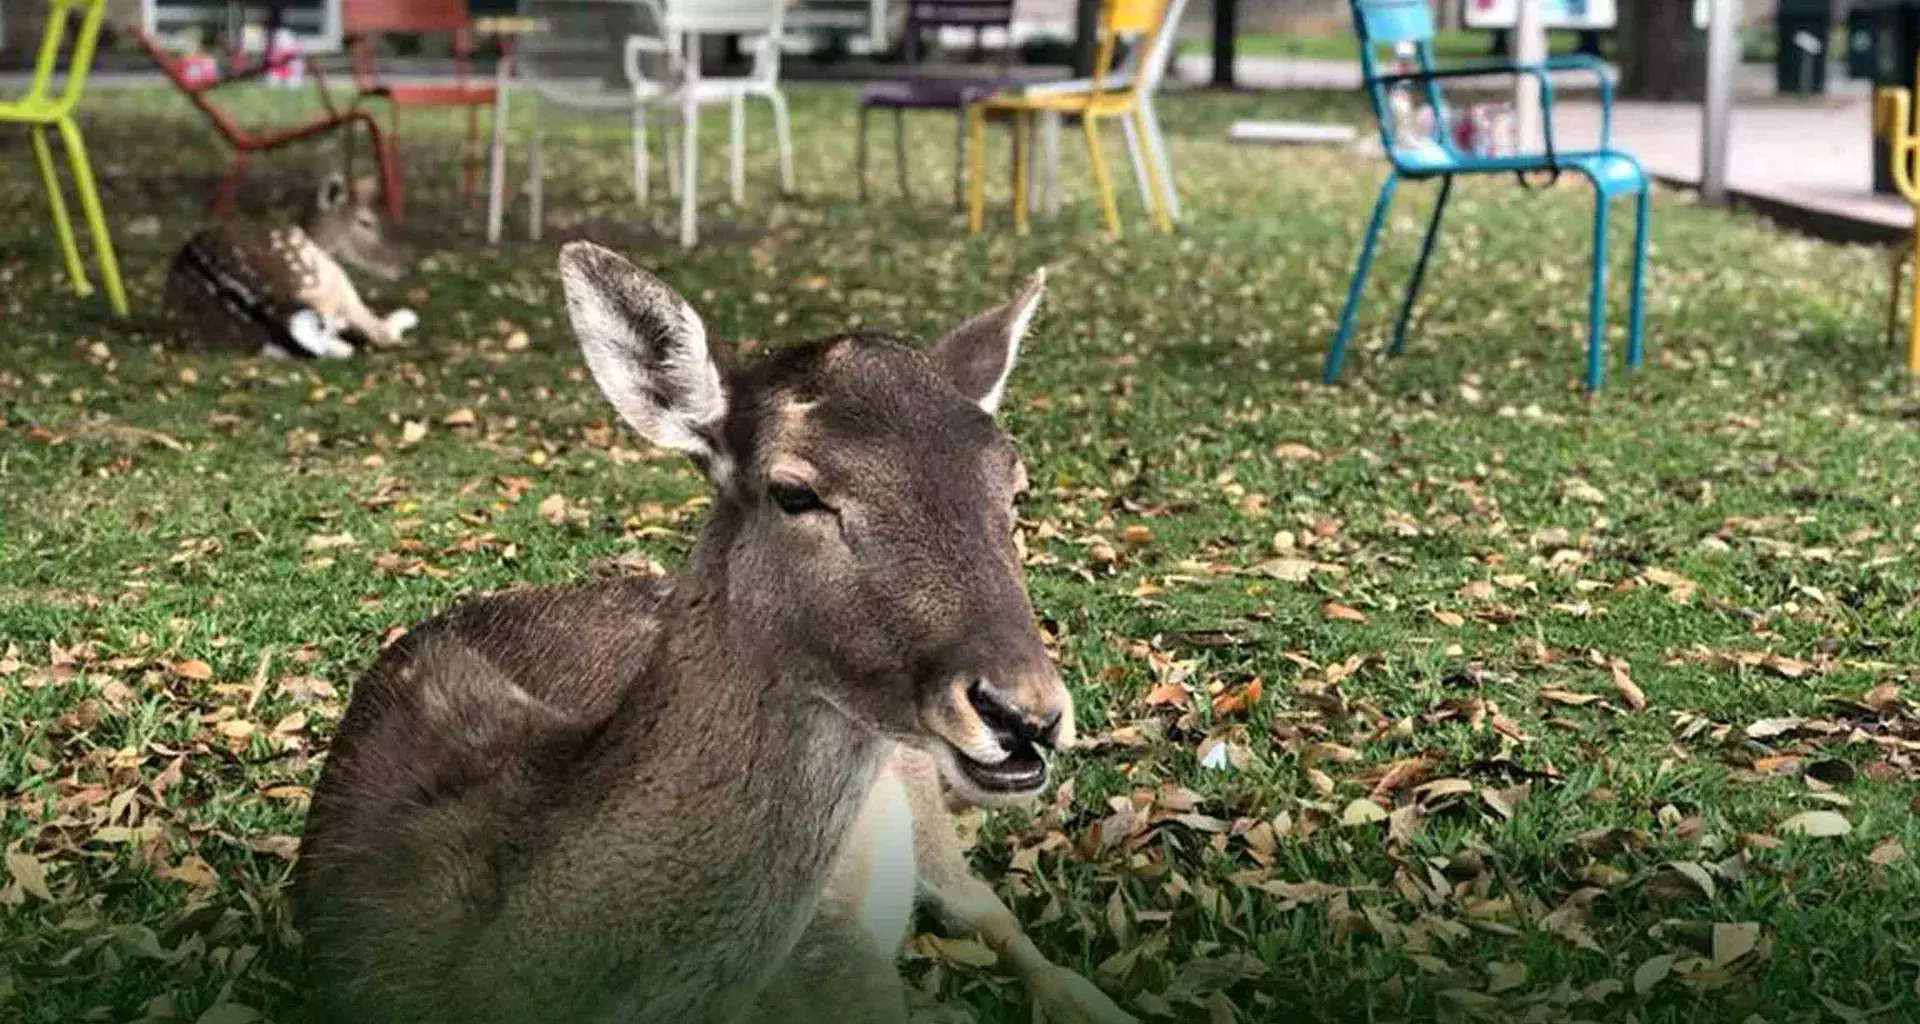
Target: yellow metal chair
x=46 y=107
x=1893 y=120
x=1119 y=19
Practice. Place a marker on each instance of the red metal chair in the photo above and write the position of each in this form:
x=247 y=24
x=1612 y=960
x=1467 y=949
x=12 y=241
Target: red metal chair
x=365 y=21
x=245 y=142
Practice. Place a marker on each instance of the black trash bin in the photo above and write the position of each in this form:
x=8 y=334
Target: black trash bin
x=1896 y=41
x=1802 y=29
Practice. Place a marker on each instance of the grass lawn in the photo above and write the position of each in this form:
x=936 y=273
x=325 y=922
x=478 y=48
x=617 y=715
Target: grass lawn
x=1445 y=694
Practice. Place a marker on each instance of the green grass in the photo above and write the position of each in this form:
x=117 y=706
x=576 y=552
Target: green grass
x=1434 y=571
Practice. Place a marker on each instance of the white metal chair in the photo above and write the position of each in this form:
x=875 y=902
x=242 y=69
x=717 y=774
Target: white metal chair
x=663 y=68
x=569 y=54
x=1150 y=60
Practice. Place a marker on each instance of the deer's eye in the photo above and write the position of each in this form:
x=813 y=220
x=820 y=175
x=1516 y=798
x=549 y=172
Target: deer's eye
x=795 y=499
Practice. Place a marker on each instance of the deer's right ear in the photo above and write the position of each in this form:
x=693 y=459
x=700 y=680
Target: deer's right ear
x=333 y=191
x=648 y=352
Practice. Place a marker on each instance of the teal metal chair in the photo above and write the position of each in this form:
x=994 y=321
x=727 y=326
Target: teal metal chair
x=1391 y=23
x=47 y=108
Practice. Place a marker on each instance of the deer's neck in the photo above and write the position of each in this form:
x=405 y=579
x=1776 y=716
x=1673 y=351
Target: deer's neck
x=728 y=788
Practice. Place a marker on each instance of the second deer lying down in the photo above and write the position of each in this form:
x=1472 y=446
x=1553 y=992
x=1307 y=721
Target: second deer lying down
x=711 y=799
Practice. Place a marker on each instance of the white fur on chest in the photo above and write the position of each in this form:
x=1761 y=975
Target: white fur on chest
x=887 y=895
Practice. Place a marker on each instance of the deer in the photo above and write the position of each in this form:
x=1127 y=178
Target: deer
x=281 y=290
x=717 y=796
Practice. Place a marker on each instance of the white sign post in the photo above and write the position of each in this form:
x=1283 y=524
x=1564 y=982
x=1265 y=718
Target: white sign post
x=1529 y=47
x=1723 y=54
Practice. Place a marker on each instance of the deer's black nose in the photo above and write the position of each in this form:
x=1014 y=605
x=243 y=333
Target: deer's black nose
x=1011 y=727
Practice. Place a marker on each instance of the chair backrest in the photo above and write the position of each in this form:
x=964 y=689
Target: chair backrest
x=1149 y=63
x=576 y=58
x=725 y=17
x=974 y=15
x=1134 y=20
x=1393 y=24
x=85 y=35
x=372 y=17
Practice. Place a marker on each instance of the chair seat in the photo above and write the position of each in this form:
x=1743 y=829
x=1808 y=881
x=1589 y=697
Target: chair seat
x=928 y=93
x=1084 y=104
x=480 y=94
x=1610 y=171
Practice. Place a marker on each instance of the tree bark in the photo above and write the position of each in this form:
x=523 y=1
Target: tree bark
x=1662 y=56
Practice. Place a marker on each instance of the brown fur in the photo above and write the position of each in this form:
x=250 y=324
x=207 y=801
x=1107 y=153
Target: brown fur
x=648 y=801
x=267 y=273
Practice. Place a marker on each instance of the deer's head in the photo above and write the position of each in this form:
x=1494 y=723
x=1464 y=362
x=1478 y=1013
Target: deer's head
x=347 y=223
x=861 y=538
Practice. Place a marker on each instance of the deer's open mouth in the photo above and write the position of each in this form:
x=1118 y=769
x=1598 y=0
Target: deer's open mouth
x=1022 y=772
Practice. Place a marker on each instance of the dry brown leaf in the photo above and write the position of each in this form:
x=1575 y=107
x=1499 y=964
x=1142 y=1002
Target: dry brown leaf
x=1290 y=570
x=1624 y=685
x=1653 y=972
x=1362 y=812
x=1819 y=824
x=1888 y=853
x=29 y=872
x=1136 y=536
x=1291 y=451
x=196 y=670
x=1502 y=977
x=1334 y=611
x=459 y=418
x=1733 y=941
x=1451 y=620
x=1168 y=694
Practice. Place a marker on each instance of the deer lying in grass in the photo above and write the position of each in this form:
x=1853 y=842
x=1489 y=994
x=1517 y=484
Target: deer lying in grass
x=281 y=290
x=715 y=798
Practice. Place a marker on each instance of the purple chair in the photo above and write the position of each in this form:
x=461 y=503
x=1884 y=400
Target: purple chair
x=935 y=92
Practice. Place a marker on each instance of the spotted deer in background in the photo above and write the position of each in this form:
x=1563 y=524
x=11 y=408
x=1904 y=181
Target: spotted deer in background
x=281 y=290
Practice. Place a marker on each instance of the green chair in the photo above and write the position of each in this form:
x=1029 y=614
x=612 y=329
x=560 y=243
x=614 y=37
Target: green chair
x=45 y=108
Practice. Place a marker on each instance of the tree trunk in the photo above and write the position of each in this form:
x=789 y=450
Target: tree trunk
x=26 y=19
x=1662 y=56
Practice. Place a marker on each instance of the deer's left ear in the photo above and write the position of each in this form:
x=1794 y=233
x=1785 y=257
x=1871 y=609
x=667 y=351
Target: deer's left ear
x=333 y=191
x=977 y=357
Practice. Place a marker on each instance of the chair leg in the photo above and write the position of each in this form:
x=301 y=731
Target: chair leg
x=1102 y=181
x=959 y=155
x=1337 y=352
x=1028 y=125
x=1597 y=297
x=1399 y=343
x=57 y=201
x=737 y=156
x=900 y=152
x=689 y=171
x=227 y=196
x=1022 y=142
x=860 y=153
x=83 y=183
x=1636 y=311
x=1155 y=193
x=496 y=167
x=1050 y=141
x=470 y=155
x=642 y=156
x=783 y=140
x=976 y=169
x=1913 y=321
x=1136 y=159
x=1169 y=195
x=670 y=141
x=535 y=186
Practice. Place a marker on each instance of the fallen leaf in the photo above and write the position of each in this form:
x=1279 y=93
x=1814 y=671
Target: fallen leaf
x=1136 y=536
x=1502 y=977
x=1767 y=727
x=1334 y=611
x=1451 y=620
x=330 y=541
x=1294 y=452
x=1820 y=824
x=412 y=432
x=962 y=951
x=1291 y=570
x=1624 y=685
x=194 y=670
x=1733 y=941
x=1695 y=873
x=29 y=872
x=1362 y=812
x=1653 y=972
x=459 y=418
x=1887 y=854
